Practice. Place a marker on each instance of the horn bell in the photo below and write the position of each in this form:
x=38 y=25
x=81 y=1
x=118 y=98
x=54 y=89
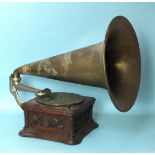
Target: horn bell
x=122 y=63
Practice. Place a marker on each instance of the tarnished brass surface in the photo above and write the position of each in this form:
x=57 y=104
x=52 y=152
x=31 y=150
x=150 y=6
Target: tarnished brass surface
x=113 y=64
x=61 y=99
x=122 y=63
x=84 y=66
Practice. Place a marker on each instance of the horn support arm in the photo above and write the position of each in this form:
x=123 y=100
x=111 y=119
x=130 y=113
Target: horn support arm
x=16 y=86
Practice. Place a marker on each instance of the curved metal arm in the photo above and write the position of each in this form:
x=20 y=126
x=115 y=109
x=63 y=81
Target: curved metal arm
x=14 y=92
x=15 y=85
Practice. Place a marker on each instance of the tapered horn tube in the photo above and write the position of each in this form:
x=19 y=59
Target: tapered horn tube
x=83 y=66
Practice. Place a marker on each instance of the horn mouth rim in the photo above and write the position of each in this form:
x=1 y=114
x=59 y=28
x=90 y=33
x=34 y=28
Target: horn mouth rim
x=128 y=105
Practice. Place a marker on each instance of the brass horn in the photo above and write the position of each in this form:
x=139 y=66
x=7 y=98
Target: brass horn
x=113 y=64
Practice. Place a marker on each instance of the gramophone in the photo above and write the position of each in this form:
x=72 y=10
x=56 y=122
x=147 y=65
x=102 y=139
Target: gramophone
x=113 y=64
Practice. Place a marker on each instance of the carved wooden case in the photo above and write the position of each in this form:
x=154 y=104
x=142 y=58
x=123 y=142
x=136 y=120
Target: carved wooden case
x=64 y=124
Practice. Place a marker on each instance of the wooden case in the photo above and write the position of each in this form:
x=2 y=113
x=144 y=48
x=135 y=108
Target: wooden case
x=63 y=124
